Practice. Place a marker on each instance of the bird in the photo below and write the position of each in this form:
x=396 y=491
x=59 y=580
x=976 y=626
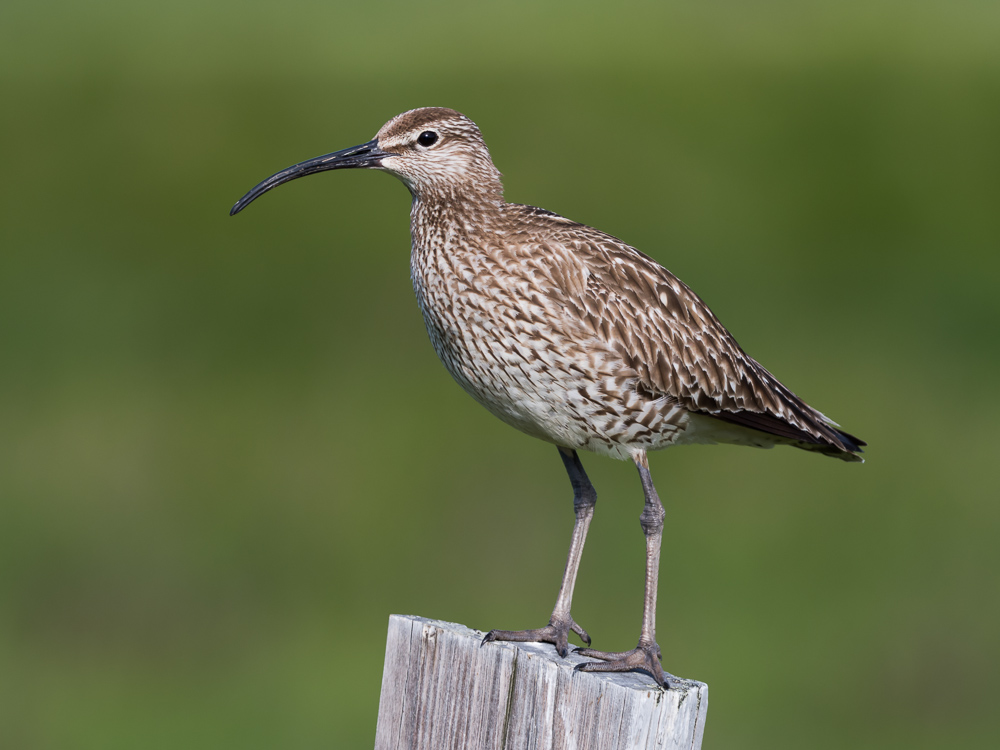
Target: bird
x=573 y=337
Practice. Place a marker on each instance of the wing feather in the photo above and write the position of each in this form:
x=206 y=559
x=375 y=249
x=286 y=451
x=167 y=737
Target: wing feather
x=664 y=332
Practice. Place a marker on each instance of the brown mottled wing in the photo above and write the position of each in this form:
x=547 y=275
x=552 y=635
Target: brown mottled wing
x=668 y=335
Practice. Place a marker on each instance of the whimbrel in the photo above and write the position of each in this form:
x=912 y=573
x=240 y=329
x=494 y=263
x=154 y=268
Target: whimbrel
x=571 y=336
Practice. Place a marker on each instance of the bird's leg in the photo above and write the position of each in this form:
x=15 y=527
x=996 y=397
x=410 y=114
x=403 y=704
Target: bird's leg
x=561 y=622
x=645 y=656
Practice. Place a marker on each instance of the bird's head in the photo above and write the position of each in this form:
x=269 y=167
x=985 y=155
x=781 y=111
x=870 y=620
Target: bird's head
x=433 y=150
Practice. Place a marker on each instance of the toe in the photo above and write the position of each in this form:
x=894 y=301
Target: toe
x=644 y=659
x=556 y=633
x=580 y=632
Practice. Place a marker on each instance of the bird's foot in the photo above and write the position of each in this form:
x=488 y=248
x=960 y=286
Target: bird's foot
x=644 y=657
x=556 y=633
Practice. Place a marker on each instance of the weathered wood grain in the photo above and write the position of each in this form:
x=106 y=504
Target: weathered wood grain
x=442 y=690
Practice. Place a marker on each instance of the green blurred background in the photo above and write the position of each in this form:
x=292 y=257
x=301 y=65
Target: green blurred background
x=228 y=451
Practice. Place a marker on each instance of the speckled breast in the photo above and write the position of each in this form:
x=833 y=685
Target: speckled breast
x=514 y=352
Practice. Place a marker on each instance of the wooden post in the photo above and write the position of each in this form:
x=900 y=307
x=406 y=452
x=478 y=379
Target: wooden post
x=440 y=690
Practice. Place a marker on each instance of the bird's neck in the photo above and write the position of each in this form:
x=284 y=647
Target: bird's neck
x=442 y=217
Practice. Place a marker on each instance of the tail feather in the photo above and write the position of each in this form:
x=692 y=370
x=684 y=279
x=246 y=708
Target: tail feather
x=852 y=443
x=828 y=440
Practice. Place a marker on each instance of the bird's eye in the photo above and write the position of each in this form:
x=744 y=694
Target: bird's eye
x=427 y=138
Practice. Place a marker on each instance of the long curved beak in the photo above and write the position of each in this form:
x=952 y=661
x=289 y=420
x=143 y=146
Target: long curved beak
x=365 y=155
